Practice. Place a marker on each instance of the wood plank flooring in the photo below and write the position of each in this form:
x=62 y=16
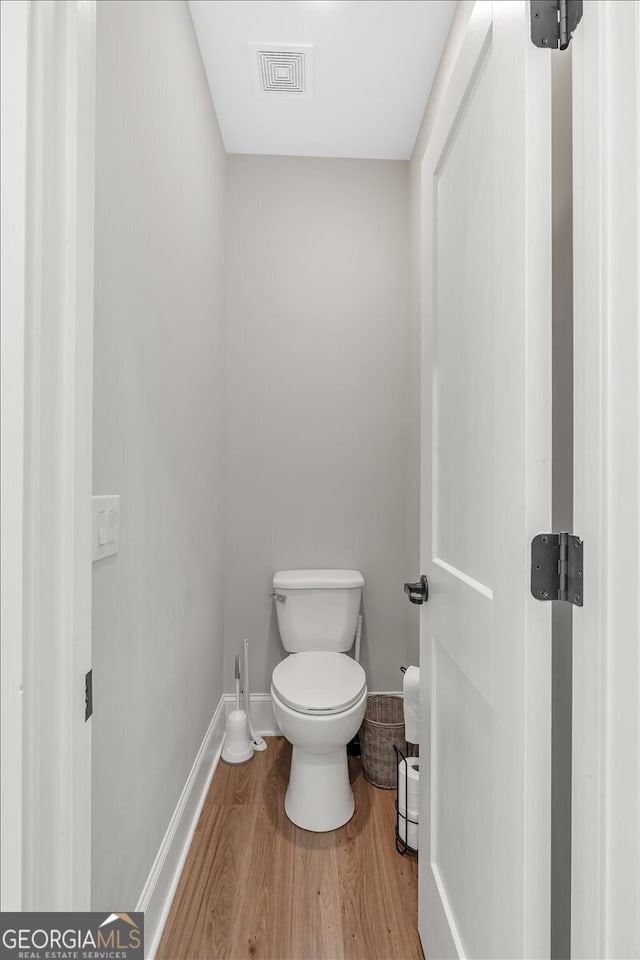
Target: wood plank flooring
x=255 y=886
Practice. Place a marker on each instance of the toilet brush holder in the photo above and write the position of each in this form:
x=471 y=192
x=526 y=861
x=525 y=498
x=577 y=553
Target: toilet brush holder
x=237 y=743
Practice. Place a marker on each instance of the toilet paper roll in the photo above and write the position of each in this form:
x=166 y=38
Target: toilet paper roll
x=409 y=788
x=411 y=703
x=409 y=832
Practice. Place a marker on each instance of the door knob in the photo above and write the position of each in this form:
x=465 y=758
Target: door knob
x=418 y=592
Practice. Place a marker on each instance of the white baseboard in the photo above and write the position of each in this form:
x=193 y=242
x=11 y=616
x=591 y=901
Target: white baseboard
x=262 y=714
x=162 y=882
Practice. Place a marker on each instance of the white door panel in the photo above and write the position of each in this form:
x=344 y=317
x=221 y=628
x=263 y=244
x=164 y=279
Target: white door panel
x=486 y=491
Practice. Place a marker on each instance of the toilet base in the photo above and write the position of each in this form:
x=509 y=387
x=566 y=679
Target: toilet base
x=319 y=796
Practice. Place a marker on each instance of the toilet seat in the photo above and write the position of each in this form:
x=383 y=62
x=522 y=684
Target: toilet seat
x=319 y=682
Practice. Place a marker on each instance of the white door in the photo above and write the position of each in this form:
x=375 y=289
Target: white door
x=484 y=882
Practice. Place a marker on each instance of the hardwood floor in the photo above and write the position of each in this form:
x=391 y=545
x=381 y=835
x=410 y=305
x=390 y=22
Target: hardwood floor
x=256 y=886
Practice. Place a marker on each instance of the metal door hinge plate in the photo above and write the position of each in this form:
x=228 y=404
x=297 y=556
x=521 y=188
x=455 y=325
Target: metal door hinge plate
x=554 y=21
x=556 y=567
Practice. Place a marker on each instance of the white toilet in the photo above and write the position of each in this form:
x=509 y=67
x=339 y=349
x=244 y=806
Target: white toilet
x=319 y=693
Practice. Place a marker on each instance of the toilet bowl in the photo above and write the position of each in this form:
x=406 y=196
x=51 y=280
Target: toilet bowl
x=319 y=693
x=319 y=700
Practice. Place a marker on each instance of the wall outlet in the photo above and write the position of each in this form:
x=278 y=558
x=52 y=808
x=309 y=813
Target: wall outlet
x=106 y=527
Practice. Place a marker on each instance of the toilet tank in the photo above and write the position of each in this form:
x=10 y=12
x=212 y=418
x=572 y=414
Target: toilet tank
x=317 y=609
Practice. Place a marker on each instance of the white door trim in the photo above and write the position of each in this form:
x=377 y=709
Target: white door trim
x=606 y=658
x=56 y=518
x=14 y=34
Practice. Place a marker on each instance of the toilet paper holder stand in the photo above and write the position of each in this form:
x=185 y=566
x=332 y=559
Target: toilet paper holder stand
x=401 y=845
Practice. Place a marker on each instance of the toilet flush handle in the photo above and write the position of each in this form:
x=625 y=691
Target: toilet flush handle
x=279 y=597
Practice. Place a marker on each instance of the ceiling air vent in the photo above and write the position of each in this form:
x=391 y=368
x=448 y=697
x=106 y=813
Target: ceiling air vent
x=281 y=70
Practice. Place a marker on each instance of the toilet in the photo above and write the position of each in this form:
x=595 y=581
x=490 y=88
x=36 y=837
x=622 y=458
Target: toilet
x=319 y=692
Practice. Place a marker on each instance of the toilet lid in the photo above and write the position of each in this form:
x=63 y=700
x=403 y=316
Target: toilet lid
x=319 y=682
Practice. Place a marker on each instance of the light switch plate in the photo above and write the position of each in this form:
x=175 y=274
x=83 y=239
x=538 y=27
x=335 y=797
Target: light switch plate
x=105 y=529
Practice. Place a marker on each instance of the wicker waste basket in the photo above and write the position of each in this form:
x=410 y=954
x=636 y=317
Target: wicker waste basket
x=382 y=728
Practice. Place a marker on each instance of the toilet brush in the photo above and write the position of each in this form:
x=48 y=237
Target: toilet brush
x=259 y=743
x=237 y=743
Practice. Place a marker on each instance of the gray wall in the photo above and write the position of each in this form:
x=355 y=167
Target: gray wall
x=159 y=310
x=319 y=435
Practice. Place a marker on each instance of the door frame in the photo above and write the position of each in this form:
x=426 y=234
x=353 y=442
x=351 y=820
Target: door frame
x=606 y=658
x=14 y=35
x=47 y=475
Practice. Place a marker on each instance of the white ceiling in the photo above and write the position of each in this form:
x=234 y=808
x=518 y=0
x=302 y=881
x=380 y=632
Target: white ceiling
x=373 y=66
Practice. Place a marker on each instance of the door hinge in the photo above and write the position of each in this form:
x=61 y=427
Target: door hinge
x=554 y=21
x=88 y=694
x=556 y=567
